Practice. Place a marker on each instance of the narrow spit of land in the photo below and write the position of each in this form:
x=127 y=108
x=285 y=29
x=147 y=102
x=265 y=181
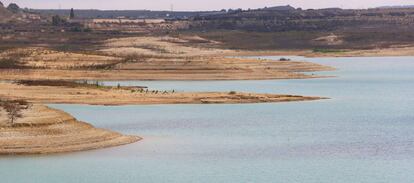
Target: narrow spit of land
x=43 y=130
x=100 y=95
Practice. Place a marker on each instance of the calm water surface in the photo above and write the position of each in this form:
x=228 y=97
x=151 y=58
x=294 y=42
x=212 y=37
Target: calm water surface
x=364 y=133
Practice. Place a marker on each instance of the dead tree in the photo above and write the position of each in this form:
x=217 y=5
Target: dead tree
x=14 y=111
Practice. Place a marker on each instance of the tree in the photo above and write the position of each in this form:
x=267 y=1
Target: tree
x=13 y=7
x=72 y=14
x=56 y=20
x=1 y=4
x=14 y=111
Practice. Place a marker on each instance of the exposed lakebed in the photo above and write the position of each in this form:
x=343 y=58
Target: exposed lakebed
x=364 y=133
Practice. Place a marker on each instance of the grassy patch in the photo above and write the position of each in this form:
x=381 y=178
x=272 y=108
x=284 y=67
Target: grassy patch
x=72 y=84
x=12 y=63
x=76 y=84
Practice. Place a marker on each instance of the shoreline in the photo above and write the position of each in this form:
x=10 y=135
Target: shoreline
x=44 y=130
x=236 y=69
x=396 y=51
x=114 y=96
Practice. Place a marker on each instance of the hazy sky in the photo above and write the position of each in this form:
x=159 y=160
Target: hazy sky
x=201 y=4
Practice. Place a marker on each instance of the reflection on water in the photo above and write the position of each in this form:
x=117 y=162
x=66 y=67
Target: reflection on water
x=364 y=133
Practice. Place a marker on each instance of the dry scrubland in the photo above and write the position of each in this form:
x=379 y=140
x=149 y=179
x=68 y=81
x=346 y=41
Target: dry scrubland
x=151 y=58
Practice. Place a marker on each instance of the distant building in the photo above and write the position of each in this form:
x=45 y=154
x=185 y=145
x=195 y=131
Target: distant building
x=281 y=8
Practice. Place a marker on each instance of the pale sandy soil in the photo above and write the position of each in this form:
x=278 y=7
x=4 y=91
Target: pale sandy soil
x=245 y=70
x=42 y=58
x=156 y=46
x=43 y=131
x=99 y=96
x=155 y=58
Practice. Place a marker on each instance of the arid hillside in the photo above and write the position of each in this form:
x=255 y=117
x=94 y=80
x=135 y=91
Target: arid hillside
x=147 y=58
x=307 y=29
x=270 y=20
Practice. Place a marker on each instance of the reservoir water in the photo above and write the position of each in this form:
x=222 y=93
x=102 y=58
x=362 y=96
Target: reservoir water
x=363 y=134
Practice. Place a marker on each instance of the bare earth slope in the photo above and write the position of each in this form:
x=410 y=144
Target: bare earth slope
x=44 y=130
x=150 y=58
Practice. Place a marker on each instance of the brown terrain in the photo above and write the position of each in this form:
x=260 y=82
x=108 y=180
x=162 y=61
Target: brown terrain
x=43 y=131
x=41 y=56
x=132 y=96
x=150 y=58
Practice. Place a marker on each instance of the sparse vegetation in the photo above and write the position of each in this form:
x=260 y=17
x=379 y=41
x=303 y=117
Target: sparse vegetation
x=14 y=109
x=72 y=84
x=10 y=63
x=57 y=20
x=319 y=50
x=78 y=84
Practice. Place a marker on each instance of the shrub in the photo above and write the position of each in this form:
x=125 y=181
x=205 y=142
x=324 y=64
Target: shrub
x=9 y=63
x=284 y=59
x=319 y=50
x=13 y=7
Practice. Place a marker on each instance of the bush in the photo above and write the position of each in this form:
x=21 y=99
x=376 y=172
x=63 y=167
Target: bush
x=13 y=7
x=284 y=59
x=57 y=20
x=319 y=50
x=232 y=93
x=10 y=63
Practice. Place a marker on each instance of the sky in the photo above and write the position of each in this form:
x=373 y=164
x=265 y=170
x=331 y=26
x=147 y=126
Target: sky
x=188 y=5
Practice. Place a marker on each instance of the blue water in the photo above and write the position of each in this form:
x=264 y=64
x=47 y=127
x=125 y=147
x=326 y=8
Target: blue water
x=363 y=134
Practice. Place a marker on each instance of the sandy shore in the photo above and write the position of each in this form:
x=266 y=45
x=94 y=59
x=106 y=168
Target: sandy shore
x=104 y=96
x=43 y=130
x=151 y=58
x=208 y=69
